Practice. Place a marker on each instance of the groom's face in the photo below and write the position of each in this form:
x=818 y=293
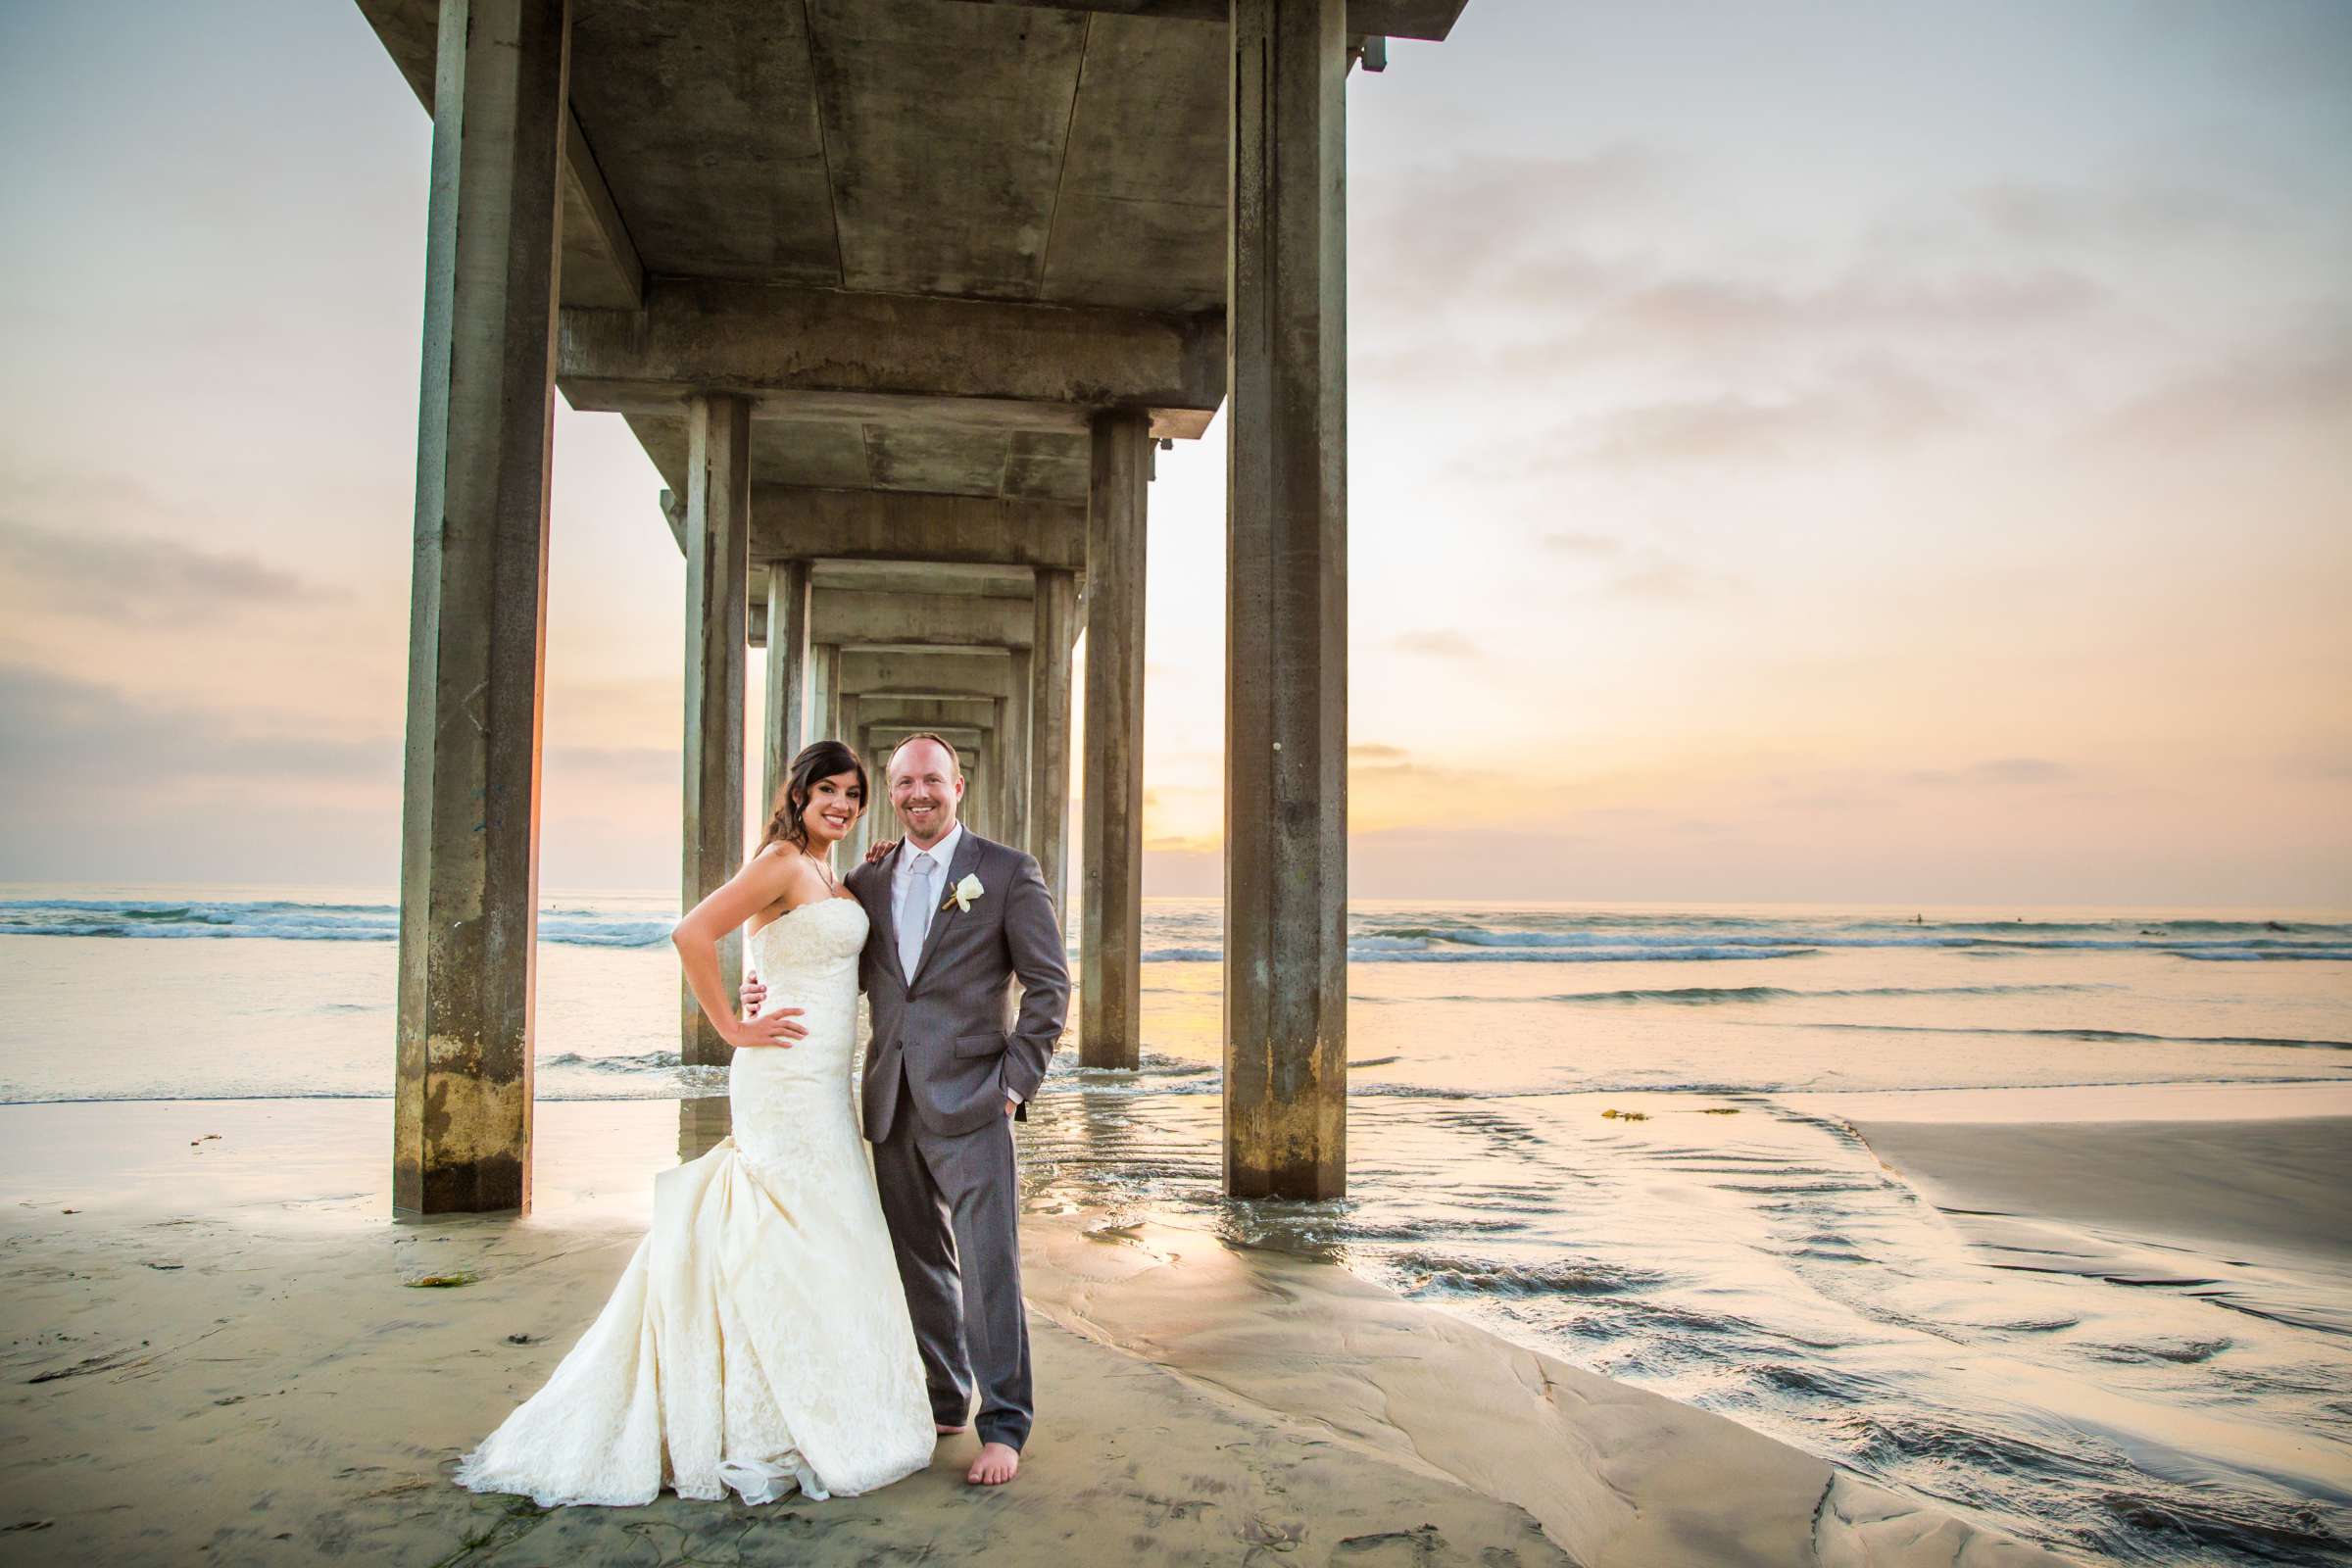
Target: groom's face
x=926 y=788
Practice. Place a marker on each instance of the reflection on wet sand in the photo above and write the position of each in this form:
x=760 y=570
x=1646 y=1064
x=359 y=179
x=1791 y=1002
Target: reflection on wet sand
x=702 y=1125
x=1754 y=1258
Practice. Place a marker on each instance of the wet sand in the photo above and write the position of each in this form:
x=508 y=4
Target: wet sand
x=224 y=1353
x=2240 y=1188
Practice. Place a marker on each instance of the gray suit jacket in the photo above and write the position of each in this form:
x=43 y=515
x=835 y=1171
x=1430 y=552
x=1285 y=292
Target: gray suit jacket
x=950 y=1027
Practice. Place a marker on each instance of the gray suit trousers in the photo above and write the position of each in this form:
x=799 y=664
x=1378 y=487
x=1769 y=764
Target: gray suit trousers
x=952 y=1207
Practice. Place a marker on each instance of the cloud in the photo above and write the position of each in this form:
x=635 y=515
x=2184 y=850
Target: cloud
x=1582 y=544
x=75 y=740
x=1701 y=314
x=2139 y=214
x=144 y=578
x=1434 y=644
x=2295 y=384
x=1664 y=579
x=1375 y=751
x=1860 y=409
x=2013 y=771
x=1407 y=250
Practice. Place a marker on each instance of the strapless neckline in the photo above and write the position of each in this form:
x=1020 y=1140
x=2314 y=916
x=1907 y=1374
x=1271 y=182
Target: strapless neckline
x=802 y=908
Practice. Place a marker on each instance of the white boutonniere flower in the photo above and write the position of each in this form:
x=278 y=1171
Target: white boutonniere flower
x=963 y=892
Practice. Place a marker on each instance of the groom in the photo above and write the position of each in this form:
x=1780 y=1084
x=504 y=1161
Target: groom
x=952 y=919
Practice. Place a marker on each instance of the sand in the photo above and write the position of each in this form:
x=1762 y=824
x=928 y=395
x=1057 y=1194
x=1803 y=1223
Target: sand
x=2267 y=1189
x=2234 y=1193
x=224 y=1357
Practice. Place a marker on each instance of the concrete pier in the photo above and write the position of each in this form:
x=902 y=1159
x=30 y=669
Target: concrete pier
x=785 y=729
x=1286 y=625
x=718 y=500
x=894 y=294
x=1055 y=629
x=469 y=830
x=1111 y=803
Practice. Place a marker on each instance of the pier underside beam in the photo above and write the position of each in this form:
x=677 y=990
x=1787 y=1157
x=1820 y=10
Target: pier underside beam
x=470 y=841
x=814 y=523
x=1391 y=19
x=852 y=618
x=793 y=348
x=1286 y=682
x=934 y=671
x=1111 y=808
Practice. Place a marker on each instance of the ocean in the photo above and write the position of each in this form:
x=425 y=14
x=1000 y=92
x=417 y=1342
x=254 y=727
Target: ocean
x=1733 y=1244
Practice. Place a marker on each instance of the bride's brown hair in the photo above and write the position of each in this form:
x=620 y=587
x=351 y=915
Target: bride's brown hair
x=818 y=760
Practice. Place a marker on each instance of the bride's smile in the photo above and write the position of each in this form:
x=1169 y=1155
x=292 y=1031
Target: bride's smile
x=834 y=806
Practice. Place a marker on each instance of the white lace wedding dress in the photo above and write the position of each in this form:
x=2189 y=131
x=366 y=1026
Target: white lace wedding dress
x=760 y=1336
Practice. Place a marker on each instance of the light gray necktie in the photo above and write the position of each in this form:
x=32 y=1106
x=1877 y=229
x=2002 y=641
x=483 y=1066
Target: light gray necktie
x=915 y=915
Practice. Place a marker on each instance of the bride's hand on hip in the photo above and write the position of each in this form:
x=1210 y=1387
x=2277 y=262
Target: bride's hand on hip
x=777 y=1028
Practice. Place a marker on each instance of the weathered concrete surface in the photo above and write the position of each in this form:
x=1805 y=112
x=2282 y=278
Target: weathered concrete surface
x=1017 y=745
x=1079 y=158
x=1286 y=682
x=718 y=569
x=928 y=712
x=1057 y=617
x=849 y=618
x=918 y=582
x=824 y=691
x=1391 y=19
x=1065 y=204
x=933 y=673
x=600 y=269
x=779 y=340
x=785 y=728
x=470 y=834
x=1111 y=803
x=798 y=522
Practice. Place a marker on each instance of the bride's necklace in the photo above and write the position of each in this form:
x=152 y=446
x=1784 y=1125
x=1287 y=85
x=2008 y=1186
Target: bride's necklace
x=832 y=885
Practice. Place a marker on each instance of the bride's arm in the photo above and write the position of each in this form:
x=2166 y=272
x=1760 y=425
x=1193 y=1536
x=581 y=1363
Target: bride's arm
x=765 y=879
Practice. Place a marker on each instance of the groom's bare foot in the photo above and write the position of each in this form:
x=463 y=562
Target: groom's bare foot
x=945 y=1430
x=998 y=1464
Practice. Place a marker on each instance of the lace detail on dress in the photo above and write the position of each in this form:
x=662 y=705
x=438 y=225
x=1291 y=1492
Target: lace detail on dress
x=759 y=1339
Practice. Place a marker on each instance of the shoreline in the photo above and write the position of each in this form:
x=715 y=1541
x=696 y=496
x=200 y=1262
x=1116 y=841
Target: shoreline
x=245 y=1356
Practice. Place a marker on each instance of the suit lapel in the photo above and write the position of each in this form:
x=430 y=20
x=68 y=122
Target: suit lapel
x=967 y=856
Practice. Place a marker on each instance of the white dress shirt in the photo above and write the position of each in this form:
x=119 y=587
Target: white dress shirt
x=900 y=872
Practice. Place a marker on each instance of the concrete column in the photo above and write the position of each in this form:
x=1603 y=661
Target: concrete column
x=1286 y=683
x=1050 y=730
x=1000 y=799
x=718 y=570
x=470 y=829
x=1015 y=730
x=847 y=728
x=1110 y=855
x=824 y=717
x=977 y=775
x=786 y=727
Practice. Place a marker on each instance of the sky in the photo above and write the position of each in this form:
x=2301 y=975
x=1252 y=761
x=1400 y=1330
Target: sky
x=1891 y=454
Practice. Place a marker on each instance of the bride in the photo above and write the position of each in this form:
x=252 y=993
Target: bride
x=759 y=1338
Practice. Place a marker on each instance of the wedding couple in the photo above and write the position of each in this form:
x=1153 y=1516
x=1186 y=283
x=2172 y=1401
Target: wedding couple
x=803 y=1315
